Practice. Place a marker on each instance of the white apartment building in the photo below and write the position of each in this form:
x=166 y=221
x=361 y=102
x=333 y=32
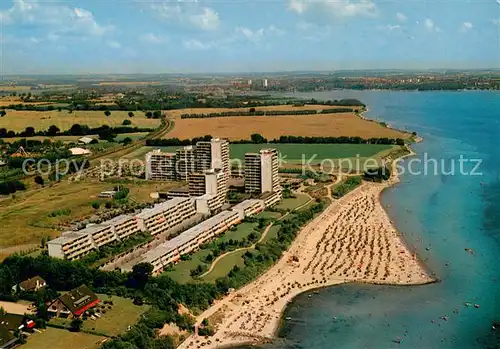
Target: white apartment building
x=166 y=215
x=190 y=240
x=262 y=172
x=185 y=162
x=70 y=245
x=123 y=226
x=208 y=204
x=161 y=166
x=249 y=207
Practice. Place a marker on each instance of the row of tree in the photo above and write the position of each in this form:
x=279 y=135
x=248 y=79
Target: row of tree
x=253 y=112
x=259 y=139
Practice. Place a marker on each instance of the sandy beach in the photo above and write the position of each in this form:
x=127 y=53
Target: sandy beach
x=353 y=240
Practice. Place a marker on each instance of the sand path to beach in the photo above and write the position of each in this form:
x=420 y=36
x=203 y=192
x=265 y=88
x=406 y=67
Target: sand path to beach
x=353 y=240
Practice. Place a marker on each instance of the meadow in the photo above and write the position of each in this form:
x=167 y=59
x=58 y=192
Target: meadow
x=18 y=120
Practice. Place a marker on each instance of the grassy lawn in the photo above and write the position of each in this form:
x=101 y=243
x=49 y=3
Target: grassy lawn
x=18 y=120
x=269 y=215
x=123 y=313
x=292 y=153
x=224 y=266
x=271 y=234
x=181 y=271
x=118 y=317
x=27 y=218
x=53 y=338
x=242 y=231
x=292 y=203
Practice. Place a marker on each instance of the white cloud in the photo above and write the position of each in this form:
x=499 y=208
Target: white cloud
x=390 y=27
x=258 y=34
x=114 y=44
x=401 y=17
x=207 y=20
x=194 y=44
x=465 y=27
x=59 y=18
x=345 y=8
x=187 y=13
x=431 y=26
x=153 y=38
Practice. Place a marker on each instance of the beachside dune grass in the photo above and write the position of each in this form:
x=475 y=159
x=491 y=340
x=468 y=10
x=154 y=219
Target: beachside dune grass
x=18 y=120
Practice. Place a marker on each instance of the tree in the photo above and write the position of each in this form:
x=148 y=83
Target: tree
x=126 y=122
x=39 y=180
x=257 y=138
x=29 y=131
x=3 y=113
x=95 y=205
x=53 y=130
x=130 y=114
x=156 y=114
x=43 y=241
x=149 y=115
x=127 y=141
x=252 y=110
x=76 y=325
x=107 y=113
x=140 y=275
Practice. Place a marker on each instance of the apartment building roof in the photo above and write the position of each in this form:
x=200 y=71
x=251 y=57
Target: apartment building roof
x=164 y=206
x=66 y=237
x=246 y=204
x=187 y=236
x=118 y=220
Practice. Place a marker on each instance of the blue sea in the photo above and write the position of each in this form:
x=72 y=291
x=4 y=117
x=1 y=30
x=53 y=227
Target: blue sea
x=452 y=221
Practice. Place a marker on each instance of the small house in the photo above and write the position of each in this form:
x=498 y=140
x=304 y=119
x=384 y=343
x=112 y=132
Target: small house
x=33 y=284
x=14 y=322
x=85 y=140
x=74 y=303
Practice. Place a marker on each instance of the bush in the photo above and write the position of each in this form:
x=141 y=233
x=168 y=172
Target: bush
x=95 y=205
x=126 y=122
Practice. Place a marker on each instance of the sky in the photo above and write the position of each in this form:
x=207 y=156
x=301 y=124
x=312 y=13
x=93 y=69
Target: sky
x=182 y=36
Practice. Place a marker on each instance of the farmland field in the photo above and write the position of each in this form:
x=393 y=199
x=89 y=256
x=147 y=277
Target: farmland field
x=18 y=120
x=242 y=127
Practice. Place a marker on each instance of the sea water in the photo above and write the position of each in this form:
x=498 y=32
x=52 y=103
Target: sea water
x=452 y=221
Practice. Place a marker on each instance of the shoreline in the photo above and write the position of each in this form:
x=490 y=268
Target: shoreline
x=254 y=313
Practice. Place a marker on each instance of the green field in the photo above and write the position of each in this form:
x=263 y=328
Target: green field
x=271 y=234
x=293 y=203
x=181 y=271
x=242 y=231
x=54 y=338
x=224 y=266
x=294 y=153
